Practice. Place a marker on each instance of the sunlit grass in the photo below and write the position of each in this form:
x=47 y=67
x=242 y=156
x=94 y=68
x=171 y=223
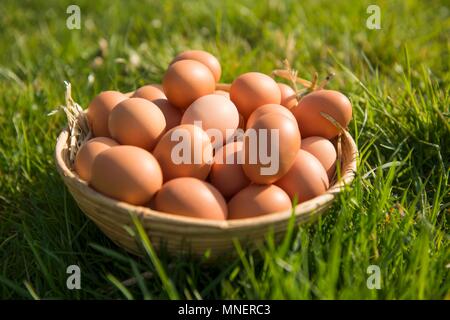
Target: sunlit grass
x=394 y=216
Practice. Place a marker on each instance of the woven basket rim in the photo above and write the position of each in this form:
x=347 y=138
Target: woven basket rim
x=302 y=209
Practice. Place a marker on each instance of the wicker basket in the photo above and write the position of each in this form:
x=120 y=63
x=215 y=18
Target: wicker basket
x=183 y=234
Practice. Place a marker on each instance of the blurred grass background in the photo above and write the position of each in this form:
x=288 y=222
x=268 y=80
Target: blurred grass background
x=395 y=216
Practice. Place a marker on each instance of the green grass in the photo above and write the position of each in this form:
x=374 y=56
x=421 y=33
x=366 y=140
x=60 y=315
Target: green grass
x=396 y=215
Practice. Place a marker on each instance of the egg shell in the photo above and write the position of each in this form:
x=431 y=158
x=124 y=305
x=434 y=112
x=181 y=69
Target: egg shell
x=257 y=200
x=288 y=143
x=137 y=122
x=213 y=112
x=171 y=114
x=227 y=174
x=252 y=90
x=187 y=80
x=150 y=92
x=191 y=197
x=88 y=152
x=195 y=142
x=222 y=93
x=306 y=178
x=126 y=173
x=324 y=151
x=269 y=108
x=288 y=96
x=203 y=57
x=99 y=109
x=309 y=118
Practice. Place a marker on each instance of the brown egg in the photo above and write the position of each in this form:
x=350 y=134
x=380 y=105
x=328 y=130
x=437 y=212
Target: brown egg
x=204 y=57
x=257 y=200
x=306 y=178
x=184 y=151
x=126 y=173
x=155 y=93
x=227 y=174
x=269 y=108
x=99 y=109
x=288 y=96
x=187 y=80
x=171 y=113
x=192 y=198
x=222 y=93
x=309 y=118
x=252 y=90
x=268 y=156
x=150 y=92
x=324 y=151
x=158 y=86
x=137 y=122
x=213 y=112
x=87 y=153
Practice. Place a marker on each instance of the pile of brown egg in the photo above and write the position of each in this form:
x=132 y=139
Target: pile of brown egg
x=139 y=139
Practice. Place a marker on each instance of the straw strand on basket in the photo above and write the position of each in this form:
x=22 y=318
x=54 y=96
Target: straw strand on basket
x=77 y=123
